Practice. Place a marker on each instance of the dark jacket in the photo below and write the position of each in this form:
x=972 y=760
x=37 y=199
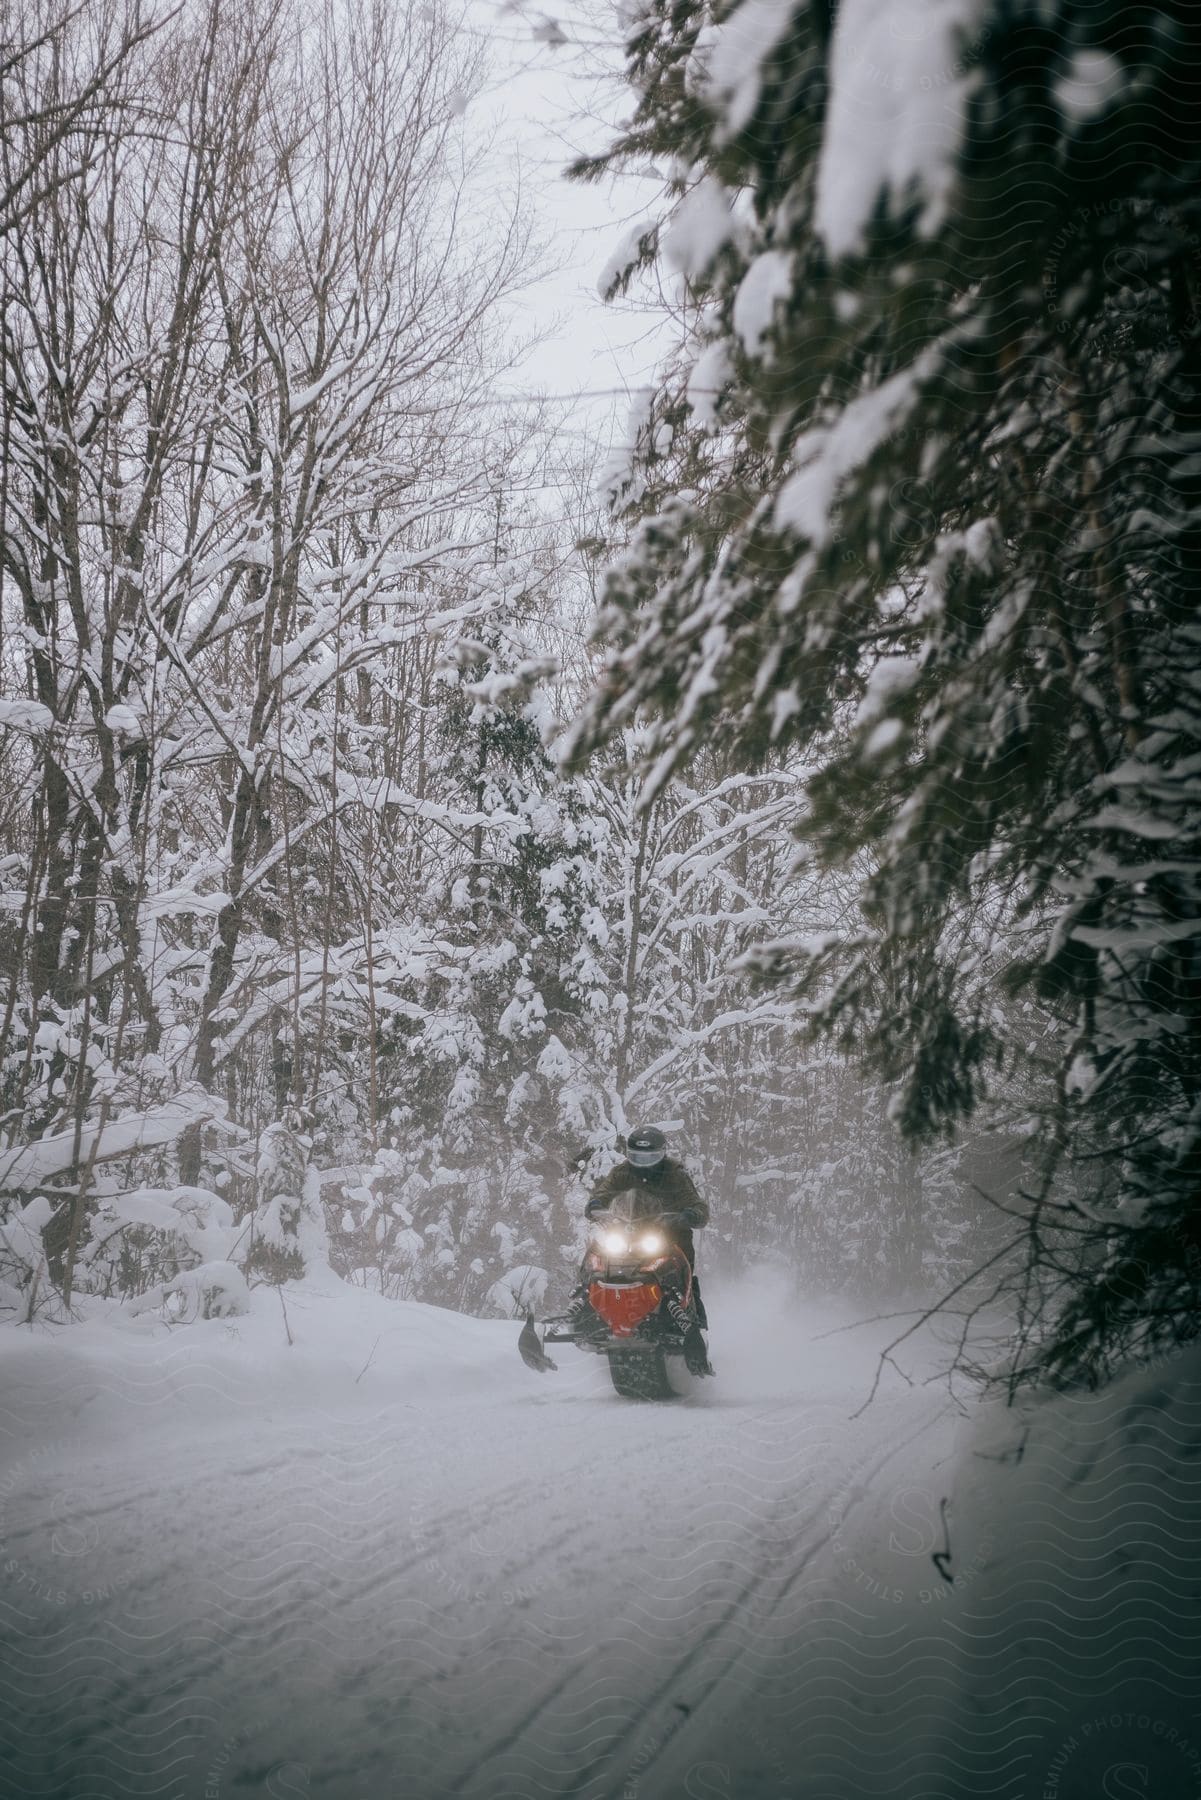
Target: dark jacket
x=668 y=1188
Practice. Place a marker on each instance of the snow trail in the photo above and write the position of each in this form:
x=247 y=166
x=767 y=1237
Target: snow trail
x=234 y=1567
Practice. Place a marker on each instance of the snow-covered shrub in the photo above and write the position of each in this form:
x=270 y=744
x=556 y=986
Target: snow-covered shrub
x=519 y=1290
x=289 y=1232
x=25 y=1286
x=215 y=1290
x=141 y=1239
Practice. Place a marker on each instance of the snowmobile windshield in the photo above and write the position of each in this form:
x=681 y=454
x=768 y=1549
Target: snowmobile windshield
x=634 y=1207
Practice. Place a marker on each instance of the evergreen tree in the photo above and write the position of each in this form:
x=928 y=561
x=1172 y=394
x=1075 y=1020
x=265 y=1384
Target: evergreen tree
x=921 y=495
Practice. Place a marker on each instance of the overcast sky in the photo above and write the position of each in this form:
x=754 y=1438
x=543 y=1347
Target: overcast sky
x=548 y=103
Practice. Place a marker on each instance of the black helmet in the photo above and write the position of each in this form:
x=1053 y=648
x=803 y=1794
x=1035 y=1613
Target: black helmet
x=646 y=1148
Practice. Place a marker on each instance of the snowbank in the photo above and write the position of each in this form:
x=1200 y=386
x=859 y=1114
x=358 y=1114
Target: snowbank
x=317 y=1345
x=1078 y=1648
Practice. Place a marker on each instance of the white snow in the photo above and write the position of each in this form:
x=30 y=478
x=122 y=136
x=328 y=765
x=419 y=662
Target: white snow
x=389 y=1556
x=826 y=456
x=730 y=61
x=300 y=399
x=622 y=258
x=1077 y=1514
x=212 y=1290
x=29 y=1165
x=882 y=737
x=888 y=681
x=706 y=382
x=1135 y=824
x=523 y=1286
x=354 y=1545
x=1094 y=80
x=555 y=1061
x=122 y=718
x=619 y=478
x=25 y=715
x=896 y=113
x=701 y=226
x=786 y=702
x=768 y=280
x=890 y=677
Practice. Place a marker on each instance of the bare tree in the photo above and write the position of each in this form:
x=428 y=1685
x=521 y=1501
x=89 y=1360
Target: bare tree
x=64 y=71
x=245 y=331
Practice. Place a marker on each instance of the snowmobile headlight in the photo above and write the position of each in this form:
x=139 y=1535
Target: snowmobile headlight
x=614 y=1243
x=652 y=1242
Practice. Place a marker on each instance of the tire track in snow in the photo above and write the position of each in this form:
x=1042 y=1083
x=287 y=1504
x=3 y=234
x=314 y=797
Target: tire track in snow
x=767 y=1524
x=807 y=1543
x=250 y=1620
x=844 y=1708
x=480 y=1599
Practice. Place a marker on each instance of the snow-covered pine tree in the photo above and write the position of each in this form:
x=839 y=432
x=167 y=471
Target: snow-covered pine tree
x=923 y=496
x=289 y=1233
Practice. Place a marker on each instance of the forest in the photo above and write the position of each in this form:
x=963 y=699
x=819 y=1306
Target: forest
x=397 y=807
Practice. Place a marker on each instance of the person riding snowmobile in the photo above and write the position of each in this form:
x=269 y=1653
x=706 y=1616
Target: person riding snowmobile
x=655 y=1185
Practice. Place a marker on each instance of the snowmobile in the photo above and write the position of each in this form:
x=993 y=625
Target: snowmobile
x=640 y=1312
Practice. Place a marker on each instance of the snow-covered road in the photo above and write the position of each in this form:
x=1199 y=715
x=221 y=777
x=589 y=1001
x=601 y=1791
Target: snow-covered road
x=235 y=1566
